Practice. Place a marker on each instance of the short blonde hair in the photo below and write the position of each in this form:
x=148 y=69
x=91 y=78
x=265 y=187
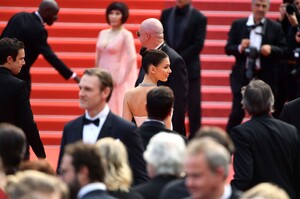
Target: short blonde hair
x=31 y=183
x=118 y=175
x=265 y=191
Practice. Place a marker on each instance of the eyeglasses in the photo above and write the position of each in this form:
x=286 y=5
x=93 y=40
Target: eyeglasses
x=138 y=33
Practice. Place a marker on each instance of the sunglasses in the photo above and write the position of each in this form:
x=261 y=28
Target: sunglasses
x=138 y=33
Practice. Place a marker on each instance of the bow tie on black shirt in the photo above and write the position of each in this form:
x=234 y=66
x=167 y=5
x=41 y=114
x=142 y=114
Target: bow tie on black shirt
x=88 y=121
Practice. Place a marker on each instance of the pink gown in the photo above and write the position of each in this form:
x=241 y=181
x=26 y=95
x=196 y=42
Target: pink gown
x=118 y=56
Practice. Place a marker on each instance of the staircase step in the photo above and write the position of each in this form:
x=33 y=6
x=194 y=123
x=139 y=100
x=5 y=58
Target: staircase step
x=57 y=122
x=91 y=15
x=87 y=60
x=242 y=5
x=50 y=75
x=71 y=107
x=70 y=91
x=91 y=30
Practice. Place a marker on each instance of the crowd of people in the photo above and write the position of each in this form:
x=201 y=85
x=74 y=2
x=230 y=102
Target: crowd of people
x=131 y=142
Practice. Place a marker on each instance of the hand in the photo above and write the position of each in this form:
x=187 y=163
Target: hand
x=77 y=79
x=244 y=44
x=297 y=37
x=265 y=50
x=292 y=19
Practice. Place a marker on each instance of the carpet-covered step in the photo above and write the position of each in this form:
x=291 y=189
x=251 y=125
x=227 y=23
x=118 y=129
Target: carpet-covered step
x=67 y=44
x=242 y=5
x=57 y=122
x=50 y=75
x=70 y=91
x=91 y=30
x=87 y=60
x=71 y=107
x=91 y=15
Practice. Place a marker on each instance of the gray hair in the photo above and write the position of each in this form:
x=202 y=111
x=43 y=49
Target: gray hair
x=165 y=152
x=257 y=98
x=216 y=154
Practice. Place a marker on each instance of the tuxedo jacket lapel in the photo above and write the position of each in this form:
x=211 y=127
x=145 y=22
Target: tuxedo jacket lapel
x=106 y=128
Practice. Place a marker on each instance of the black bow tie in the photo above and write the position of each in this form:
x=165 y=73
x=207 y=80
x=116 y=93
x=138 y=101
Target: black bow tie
x=88 y=121
x=256 y=25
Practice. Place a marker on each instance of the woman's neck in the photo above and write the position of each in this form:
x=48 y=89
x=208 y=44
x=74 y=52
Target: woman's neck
x=149 y=81
x=116 y=28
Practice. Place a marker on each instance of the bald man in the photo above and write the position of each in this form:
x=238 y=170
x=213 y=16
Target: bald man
x=29 y=28
x=151 y=35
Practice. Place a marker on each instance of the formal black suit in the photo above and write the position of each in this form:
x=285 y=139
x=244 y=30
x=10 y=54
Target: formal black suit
x=115 y=127
x=96 y=194
x=267 y=150
x=28 y=28
x=15 y=109
x=152 y=189
x=185 y=31
x=291 y=113
x=178 y=82
x=149 y=128
x=269 y=65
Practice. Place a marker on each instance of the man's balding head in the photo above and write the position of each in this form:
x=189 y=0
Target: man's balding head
x=151 y=33
x=48 y=10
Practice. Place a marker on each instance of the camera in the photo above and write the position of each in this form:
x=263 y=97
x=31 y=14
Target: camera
x=291 y=9
x=252 y=53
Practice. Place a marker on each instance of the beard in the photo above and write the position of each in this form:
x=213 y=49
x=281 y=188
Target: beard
x=74 y=188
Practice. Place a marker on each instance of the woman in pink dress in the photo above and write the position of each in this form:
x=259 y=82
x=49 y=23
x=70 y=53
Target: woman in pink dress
x=156 y=64
x=115 y=52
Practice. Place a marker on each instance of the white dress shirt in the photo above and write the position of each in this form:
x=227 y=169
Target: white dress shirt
x=91 y=131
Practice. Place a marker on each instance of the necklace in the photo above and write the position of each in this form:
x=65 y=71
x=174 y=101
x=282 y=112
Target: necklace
x=147 y=84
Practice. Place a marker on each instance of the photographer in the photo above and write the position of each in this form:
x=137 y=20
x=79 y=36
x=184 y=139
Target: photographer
x=289 y=17
x=245 y=34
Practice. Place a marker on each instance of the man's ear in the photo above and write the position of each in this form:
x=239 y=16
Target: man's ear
x=9 y=59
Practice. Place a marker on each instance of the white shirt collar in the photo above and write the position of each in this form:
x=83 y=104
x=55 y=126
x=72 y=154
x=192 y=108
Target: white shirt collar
x=101 y=115
x=227 y=192
x=91 y=187
x=159 y=45
x=250 y=21
x=39 y=16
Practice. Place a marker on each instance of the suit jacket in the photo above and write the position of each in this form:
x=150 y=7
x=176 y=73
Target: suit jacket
x=267 y=150
x=269 y=64
x=152 y=189
x=190 y=38
x=291 y=113
x=15 y=109
x=28 y=28
x=149 y=128
x=97 y=194
x=115 y=127
x=178 y=82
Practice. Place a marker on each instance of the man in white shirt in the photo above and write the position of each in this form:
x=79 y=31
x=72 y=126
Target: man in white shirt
x=95 y=88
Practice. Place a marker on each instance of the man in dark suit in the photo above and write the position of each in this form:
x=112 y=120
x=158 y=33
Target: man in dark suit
x=159 y=106
x=29 y=28
x=185 y=31
x=291 y=113
x=151 y=36
x=164 y=156
x=14 y=99
x=267 y=149
x=98 y=121
x=256 y=33
x=82 y=170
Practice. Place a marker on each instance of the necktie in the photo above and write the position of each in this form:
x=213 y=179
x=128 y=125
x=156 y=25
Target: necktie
x=88 y=121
